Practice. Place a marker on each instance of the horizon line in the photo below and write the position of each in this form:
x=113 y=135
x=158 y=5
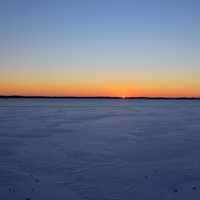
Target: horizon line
x=103 y=97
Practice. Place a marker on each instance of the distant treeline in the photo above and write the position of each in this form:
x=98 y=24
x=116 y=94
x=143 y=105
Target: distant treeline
x=100 y=97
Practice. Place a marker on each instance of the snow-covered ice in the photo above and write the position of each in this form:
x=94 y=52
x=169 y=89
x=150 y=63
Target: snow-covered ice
x=99 y=149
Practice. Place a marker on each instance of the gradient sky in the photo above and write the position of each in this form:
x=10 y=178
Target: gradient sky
x=100 y=47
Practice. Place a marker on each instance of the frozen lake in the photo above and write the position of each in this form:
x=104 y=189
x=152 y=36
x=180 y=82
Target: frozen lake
x=99 y=149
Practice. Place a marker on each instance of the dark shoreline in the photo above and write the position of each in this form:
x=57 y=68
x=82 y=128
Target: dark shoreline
x=97 y=97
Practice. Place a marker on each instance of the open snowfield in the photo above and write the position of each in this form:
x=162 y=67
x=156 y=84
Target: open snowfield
x=58 y=149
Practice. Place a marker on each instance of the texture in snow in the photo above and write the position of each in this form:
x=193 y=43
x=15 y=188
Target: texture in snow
x=99 y=149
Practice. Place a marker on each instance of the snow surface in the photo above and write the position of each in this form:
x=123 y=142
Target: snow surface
x=99 y=149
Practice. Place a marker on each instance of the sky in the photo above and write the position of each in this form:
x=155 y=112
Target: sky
x=100 y=47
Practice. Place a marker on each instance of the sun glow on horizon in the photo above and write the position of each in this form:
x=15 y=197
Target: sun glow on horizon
x=123 y=97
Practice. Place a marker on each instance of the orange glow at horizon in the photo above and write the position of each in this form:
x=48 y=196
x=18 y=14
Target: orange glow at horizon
x=122 y=91
x=121 y=84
